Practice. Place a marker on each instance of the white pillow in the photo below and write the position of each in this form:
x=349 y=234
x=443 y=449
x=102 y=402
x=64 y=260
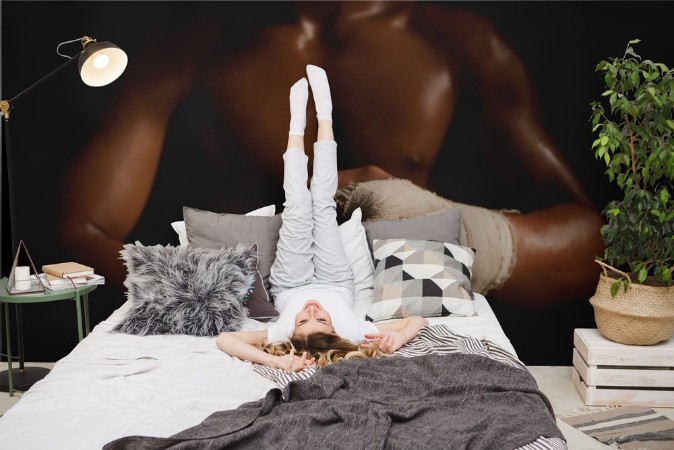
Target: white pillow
x=179 y=227
x=357 y=251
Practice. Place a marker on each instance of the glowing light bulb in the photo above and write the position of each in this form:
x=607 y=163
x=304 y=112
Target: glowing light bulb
x=101 y=61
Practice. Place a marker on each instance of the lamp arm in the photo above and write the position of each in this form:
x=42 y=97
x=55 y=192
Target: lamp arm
x=6 y=105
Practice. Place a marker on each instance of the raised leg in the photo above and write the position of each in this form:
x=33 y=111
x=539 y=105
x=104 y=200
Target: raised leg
x=330 y=262
x=294 y=265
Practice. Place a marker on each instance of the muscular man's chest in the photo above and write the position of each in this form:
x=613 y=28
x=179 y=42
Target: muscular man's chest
x=393 y=97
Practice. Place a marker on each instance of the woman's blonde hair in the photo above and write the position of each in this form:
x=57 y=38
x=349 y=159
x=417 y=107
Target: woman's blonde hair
x=325 y=348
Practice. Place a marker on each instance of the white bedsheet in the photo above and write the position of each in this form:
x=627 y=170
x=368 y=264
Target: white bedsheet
x=113 y=385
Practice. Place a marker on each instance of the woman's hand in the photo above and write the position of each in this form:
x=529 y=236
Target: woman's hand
x=387 y=341
x=293 y=363
x=396 y=333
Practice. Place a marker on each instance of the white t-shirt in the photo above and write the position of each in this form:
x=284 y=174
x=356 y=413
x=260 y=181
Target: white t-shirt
x=336 y=300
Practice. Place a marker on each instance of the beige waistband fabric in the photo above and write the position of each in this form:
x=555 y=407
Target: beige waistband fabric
x=487 y=231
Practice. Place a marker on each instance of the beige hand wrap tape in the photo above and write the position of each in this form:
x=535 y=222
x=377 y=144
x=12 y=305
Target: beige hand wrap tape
x=487 y=231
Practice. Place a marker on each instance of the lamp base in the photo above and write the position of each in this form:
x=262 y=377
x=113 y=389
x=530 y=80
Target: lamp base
x=22 y=379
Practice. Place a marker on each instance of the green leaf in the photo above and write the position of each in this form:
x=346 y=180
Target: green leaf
x=596 y=142
x=651 y=90
x=670 y=123
x=634 y=41
x=605 y=93
x=664 y=196
x=614 y=288
x=630 y=51
x=604 y=140
x=662 y=67
x=607 y=159
x=641 y=275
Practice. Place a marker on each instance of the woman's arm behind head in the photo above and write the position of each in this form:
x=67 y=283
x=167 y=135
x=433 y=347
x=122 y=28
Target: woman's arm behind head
x=251 y=346
x=242 y=345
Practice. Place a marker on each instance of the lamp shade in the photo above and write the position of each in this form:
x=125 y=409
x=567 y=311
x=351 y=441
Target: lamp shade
x=101 y=63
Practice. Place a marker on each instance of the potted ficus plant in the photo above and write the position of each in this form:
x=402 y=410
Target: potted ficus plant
x=634 y=129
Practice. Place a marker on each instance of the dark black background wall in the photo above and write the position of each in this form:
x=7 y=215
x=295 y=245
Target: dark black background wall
x=560 y=43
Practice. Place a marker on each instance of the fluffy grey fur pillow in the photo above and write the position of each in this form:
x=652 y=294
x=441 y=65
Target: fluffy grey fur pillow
x=194 y=291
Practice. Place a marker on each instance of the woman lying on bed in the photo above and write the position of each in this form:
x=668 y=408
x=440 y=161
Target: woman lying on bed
x=312 y=283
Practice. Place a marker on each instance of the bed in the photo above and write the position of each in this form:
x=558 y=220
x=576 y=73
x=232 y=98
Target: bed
x=121 y=390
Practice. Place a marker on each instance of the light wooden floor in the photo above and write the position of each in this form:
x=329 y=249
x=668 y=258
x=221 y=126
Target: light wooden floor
x=6 y=401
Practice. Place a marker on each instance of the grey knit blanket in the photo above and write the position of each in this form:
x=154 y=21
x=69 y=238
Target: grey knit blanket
x=432 y=401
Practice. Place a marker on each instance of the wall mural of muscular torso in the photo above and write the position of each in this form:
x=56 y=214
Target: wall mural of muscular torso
x=201 y=115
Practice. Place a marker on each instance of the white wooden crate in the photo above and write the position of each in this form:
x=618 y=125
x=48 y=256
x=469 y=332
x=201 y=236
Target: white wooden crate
x=609 y=373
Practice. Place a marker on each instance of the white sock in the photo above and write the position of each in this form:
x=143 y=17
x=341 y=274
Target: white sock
x=299 y=94
x=321 y=91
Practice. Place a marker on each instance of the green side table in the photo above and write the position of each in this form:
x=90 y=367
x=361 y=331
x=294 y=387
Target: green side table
x=81 y=298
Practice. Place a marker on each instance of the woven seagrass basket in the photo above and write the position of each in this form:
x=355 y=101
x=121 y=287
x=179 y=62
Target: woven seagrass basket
x=644 y=315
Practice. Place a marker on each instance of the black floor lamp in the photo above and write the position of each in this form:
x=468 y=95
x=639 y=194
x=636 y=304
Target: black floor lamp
x=99 y=64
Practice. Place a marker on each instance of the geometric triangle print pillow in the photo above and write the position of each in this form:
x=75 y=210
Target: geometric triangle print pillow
x=425 y=278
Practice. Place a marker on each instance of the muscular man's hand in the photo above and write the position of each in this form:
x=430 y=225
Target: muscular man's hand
x=364 y=173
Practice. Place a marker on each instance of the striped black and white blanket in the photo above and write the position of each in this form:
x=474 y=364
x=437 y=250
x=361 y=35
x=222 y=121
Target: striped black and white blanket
x=435 y=339
x=456 y=392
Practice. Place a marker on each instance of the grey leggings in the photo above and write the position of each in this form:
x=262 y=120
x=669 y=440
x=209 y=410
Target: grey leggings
x=309 y=248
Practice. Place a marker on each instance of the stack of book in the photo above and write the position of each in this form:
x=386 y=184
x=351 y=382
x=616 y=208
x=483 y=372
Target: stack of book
x=68 y=275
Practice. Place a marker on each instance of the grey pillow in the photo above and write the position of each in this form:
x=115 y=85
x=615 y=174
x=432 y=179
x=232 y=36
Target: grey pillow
x=194 y=291
x=212 y=230
x=444 y=227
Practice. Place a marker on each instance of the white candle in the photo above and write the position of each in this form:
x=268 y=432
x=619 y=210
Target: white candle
x=22 y=285
x=22 y=278
x=22 y=273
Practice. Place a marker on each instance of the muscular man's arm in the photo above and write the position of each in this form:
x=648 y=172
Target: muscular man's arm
x=492 y=72
x=110 y=182
x=509 y=108
x=555 y=246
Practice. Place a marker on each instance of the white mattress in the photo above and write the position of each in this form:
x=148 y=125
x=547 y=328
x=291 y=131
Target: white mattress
x=113 y=385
